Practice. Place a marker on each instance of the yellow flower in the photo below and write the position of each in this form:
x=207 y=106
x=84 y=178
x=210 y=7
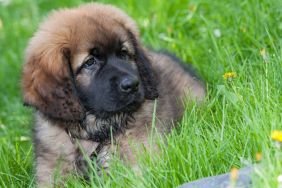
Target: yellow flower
x=229 y=75
x=234 y=173
x=276 y=135
x=258 y=156
x=262 y=52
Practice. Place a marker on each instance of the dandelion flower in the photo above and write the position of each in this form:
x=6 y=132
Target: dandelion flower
x=258 y=156
x=276 y=135
x=234 y=174
x=229 y=76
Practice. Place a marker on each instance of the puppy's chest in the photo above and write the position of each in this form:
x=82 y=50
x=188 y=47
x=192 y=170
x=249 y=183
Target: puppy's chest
x=100 y=130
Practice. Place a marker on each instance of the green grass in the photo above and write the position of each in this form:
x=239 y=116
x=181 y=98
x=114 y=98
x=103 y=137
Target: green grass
x=233 y=124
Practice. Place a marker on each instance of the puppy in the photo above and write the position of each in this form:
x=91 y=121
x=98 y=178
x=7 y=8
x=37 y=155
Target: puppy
x=90 y=81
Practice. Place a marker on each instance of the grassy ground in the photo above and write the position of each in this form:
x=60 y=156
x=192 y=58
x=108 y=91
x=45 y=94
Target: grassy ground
x=232 y=125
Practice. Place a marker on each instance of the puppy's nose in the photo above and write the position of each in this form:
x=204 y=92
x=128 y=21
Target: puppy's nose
x=129 y=84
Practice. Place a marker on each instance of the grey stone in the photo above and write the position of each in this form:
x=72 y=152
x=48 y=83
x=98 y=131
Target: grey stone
x=223 y=180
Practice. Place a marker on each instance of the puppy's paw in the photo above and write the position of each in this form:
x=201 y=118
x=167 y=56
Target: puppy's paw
x=102 y=157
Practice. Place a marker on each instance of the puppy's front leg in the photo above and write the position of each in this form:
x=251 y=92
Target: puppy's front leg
x=55 y=153
x=53 y=159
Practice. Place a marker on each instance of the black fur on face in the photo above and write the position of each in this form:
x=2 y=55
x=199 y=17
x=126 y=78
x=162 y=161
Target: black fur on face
x=108 y=81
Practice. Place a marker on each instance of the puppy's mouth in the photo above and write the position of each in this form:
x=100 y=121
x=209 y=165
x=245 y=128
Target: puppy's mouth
x=128 y=107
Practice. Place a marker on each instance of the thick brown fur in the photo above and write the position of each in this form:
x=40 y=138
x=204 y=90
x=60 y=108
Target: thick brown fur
x=56 y=51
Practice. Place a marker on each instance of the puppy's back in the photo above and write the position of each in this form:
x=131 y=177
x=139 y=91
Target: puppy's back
x=176 y=78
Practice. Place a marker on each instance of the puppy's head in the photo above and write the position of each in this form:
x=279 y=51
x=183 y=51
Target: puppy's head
x=87 y=59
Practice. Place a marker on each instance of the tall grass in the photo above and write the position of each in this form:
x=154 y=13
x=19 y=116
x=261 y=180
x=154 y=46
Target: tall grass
x=227 y=130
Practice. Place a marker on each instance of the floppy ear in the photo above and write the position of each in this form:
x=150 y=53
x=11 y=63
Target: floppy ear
x=48 y=86
x=147 y=75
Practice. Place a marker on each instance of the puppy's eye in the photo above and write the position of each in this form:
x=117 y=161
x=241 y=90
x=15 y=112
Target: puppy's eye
x=124 y=53
x=90 y=62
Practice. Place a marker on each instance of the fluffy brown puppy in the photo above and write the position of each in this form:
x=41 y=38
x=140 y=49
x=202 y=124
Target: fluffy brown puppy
x=89 y=78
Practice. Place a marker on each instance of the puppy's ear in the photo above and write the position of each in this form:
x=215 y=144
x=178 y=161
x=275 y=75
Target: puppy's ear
x=148 y=78
x=48 y=86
